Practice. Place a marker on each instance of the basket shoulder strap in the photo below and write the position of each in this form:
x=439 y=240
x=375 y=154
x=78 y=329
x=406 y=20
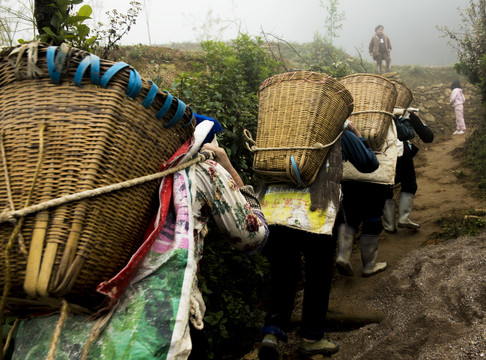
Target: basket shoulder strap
x=93 y=62
x=55 y=61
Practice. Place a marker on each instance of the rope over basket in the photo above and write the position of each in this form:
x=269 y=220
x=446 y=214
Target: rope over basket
x=71 y=122
x=300 y=114
x=374 y=101
x=316 y=146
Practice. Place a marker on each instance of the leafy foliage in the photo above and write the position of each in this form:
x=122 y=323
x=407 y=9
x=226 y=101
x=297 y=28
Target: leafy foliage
x=334 y=19
x=325 y=58
x=470 y=44
x=108 y=36
x=224 y=86
x=319 y=55
x=63 y=26
x=68 y=28
x=476 y=157
x=460 y=223
x=233 y=284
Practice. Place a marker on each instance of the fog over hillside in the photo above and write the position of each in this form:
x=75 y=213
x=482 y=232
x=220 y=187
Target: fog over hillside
x=411 y=25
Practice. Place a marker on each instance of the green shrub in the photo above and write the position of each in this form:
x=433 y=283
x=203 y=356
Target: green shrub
x=224 y=86
x=65 y=27
x=460 y=223
x=233 y=285
x=323 y=57
x=476 y=157
x=459 y=174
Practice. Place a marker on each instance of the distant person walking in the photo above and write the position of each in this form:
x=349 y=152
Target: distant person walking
x=379 y=48
x=457 y=102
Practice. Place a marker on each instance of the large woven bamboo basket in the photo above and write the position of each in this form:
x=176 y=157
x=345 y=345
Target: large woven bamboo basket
x=404 y=95
x=63 y=133
x=300 y=115
x=374 y=101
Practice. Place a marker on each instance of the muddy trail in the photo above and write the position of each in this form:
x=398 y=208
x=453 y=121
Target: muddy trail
x=431 y=301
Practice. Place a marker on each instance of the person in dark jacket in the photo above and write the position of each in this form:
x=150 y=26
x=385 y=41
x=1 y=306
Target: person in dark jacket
x=289 y=239
x=379 y=48
x=361 y=209
x=405 y=173
x=358 y=153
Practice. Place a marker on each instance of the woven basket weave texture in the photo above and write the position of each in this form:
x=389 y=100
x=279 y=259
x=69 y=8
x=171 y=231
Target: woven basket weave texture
x=404 y=95
x=94 y=136
x=298 y=110
x=374 y=101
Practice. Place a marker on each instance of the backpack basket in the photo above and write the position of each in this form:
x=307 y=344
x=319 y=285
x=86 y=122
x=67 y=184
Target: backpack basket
x=374 y=101
x=404 y=95
x=64 y=130
x=300 y=115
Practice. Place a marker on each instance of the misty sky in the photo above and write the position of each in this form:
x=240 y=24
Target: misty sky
x=411 y=25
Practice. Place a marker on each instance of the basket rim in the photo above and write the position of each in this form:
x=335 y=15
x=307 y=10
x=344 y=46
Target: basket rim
x=67 y=65
x=402 y=85
x=365 y=74
x=300 y=75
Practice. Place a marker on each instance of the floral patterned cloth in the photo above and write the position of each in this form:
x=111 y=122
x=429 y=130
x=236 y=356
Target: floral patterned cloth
x=218 y=196
x=151 y=320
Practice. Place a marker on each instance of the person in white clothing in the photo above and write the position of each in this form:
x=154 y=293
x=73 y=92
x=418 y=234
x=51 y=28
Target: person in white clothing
x=457 y=101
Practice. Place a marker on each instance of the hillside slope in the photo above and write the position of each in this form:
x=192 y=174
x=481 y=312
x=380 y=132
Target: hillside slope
x=163 y=63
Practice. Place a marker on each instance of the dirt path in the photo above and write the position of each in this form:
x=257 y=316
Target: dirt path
x=403 y=313
x=439 y=192
x=353 y=300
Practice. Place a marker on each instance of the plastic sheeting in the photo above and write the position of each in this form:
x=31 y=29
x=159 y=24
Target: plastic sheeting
x=140 y=328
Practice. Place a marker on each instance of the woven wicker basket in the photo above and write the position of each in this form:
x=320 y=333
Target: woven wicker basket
x=404 y=95
x=300 y=114
x=374 y=101
x=87 y=136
